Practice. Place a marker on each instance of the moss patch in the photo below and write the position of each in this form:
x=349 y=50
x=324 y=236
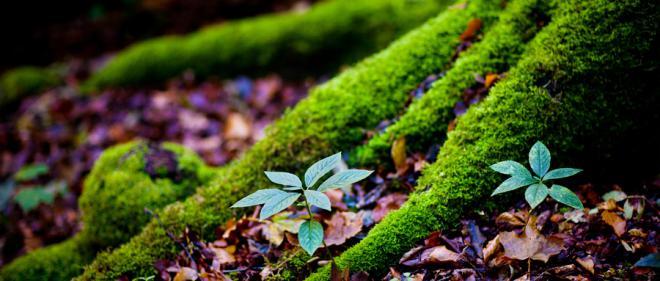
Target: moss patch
x=332 y=118
x=19 y=82
x=582 y=88
x=115 y=194
x=330 y=34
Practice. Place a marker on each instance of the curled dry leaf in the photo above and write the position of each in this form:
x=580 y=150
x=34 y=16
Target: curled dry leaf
x=388 y=203
x=587 y=263
x=492 y=248
x=530 y=244
x=508 y=220
x=343 y=226
x=399 y=155
x=617 y=223
x=434 y=255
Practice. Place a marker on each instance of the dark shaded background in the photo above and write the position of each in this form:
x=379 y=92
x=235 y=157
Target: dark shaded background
x=41 y=32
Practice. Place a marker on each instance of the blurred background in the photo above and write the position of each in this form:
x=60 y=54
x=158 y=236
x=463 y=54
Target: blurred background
x=50 y=139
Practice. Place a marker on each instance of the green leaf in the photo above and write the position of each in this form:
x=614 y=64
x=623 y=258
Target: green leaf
x=318 y=199
x=310 y=236
x=344 y=178
x=511 y=168
x=284 y=178
x=535 y=194
x=291 y=188
x=650 y=260
x=561 y=173
x=565 y=196
x=29 y=198
x=320 y=168
x=513 y=183
x=257 y=198
x=539 y=159
x=30 y=172
x=277 y=203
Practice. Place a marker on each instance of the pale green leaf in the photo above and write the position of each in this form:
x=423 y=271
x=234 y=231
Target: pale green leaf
x=561 y=173
x=565 y=196
x=318 y=199
x=284 y=178
x=310 y=236
x=535 y=194
x=257 y=198
x=31 y=172
x=29 y=198
x=320 y=168
x=513 y=183
x=277 y=203
x=539 y=159
x=615 y=195
x=344 y=178
x=511 y=168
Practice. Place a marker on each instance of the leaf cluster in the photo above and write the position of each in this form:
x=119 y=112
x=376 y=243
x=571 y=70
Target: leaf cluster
x=537 y=189
x=274 y=200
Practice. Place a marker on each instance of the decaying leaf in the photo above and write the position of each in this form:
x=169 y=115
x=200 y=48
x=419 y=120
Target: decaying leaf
x=587 y=263
x=388 y=203
x=186 y=274
x=343 y=226
x=421 y=256
x=617 y=223
x=530 y=244
x=509 y=221
x=473 y=27
x=399 y=155
x=492 y=248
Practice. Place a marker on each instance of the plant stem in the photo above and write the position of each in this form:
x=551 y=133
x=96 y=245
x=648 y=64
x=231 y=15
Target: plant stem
x=311 y=217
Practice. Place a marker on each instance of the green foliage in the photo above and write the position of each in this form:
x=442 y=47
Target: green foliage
x=30 y=197
x=539 y=160
x=31 y=172
x=310 y=233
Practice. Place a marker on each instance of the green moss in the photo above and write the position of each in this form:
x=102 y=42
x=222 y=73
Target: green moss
x=57 y=262
x=115 y=194
x=582 y=88
x=19 y=82
x=328 y=35
x=425 y=120
x=332 y=118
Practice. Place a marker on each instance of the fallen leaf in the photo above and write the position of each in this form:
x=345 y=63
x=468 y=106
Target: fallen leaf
x=435 y=255
x=492 y=248
x=388 y=203
x=491 y=78
x=186 y=274
x=399 y=155
x=472 y=27
x=477 y=239
x=237 y=127
x=343 y=226
x=576 y=216
x=530 y=244
x=587 y=263
x=617 y=223
x=615 y=195
x=509 y=221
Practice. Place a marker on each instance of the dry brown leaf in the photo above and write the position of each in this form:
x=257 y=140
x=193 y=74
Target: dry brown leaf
x=342 y=226
x=587 y=263
x=386 y=204
x=440 y=255
x=491 y=78
x=224 y=255
x=492 y=248
x=237 y=127
x=399 y=155
x=473 y=27
x=508 y=220
x=615 y=221
x=530 y=244
x=186 y=274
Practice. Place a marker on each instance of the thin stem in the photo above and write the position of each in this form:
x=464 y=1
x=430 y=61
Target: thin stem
x=311 y=217
x=529 y=259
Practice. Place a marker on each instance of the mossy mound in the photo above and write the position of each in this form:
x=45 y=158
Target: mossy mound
x=125 y=180
x=19 y=82
x=329 y=34
x=332 y=118
x=582 y=88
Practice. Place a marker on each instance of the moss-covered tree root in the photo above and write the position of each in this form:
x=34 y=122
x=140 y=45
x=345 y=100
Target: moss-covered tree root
x=329 y=34
x=583 y=89
x=426 y=118
x=125 y=179
x=19 y=82
x=332 y=118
